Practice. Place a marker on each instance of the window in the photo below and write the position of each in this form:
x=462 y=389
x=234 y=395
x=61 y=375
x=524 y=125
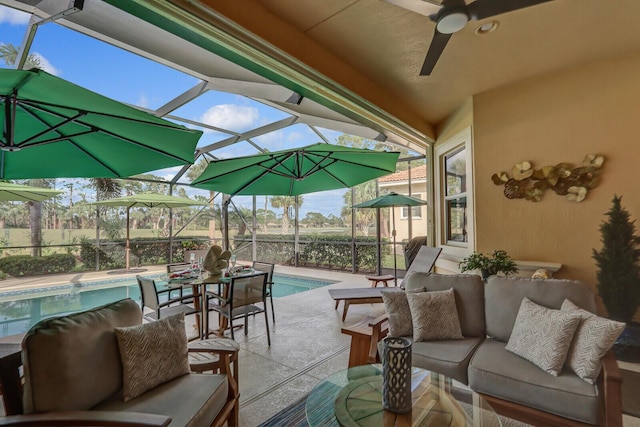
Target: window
x=453 y=159
x=455 y=169
x=416 y=211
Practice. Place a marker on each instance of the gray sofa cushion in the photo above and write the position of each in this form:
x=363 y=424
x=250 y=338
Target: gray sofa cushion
x=190 y=400
x=449 y=357
x=503 y=296
x=497 y=372
x=469 y=292
x=72 y=362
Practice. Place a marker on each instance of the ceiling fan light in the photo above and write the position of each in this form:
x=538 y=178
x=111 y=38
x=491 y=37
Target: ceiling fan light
x=452 y=23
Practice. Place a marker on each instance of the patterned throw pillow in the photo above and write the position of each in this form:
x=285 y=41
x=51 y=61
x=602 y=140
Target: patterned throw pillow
x=434 y=316
x=398 y=313
x=152 y=353
x=593 y=339
x=542 y=335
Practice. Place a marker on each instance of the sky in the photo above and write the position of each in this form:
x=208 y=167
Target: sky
x=131 y=79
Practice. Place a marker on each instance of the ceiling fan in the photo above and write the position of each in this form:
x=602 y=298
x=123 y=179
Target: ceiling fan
x=451 y=16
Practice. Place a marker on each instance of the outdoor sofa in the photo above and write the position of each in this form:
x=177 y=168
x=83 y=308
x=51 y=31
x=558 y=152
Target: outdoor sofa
x=512 y=385
x=77 y=373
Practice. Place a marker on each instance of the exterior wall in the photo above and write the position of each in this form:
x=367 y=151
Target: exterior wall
x=548 y=120
x=419 y=226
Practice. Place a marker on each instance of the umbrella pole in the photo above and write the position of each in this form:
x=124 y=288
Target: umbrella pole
x=395 y=269
x=126 y=250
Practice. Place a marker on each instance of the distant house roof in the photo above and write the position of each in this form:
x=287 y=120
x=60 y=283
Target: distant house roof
x=419 y=172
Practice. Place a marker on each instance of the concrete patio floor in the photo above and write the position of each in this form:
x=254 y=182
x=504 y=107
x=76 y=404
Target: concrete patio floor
x=306 y=343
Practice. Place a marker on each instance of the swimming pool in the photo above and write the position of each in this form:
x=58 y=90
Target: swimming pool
x=21 y=309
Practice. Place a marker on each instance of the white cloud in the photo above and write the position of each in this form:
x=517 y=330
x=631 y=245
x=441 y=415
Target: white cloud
x=142 y=101
x=13 y=16
x=47 y=66
x=230 y=116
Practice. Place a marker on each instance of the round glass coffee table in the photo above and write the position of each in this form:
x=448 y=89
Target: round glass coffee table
x=353 y=397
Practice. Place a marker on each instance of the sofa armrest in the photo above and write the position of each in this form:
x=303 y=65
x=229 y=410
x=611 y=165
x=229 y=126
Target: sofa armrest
x=610 y=383
x=87 y=418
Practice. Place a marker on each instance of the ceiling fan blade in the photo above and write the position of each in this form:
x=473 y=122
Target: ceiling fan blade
x=481 y=9
x=422 y=7
x=438 y=44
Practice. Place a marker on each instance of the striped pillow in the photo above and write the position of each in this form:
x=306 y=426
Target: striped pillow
x=151 y=354
x=593 y=339
x=542 y=335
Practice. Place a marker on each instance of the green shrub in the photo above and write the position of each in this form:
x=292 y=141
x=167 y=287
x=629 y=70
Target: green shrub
x=26 y=265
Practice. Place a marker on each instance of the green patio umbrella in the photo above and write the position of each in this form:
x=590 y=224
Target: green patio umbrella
x=296 y=171
x=24 y=193
x=392 y=200
x=147 y=200
x=52 y=128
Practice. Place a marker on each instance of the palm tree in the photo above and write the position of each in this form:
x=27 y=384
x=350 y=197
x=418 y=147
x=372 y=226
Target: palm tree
x=285 y=202
x=194 y=172
x=9 y=53
x=364 y=217
x=35 y=218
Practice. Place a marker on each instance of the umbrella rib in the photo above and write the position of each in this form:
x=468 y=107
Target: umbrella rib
x=39 y=105
x=52 y=128
x=93 y=129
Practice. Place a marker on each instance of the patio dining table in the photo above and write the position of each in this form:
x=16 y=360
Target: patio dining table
x=198 y=286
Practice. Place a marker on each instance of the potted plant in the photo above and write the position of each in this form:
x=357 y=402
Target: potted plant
x=618 y=276
x=498 y=262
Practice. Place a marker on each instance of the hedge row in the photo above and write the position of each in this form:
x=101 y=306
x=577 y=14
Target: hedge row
x=318 y=251
x=143 y=252
x=26 y=265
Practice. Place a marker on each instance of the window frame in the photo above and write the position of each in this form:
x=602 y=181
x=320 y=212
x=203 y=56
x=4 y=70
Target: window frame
x=460 y=141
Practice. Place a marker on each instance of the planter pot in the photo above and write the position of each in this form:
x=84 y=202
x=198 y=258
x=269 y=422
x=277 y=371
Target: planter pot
x=627 y=347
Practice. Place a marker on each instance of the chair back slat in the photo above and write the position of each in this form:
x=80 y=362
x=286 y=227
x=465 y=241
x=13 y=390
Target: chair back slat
x=148 y=293
x=265 y=267
x=248 y=290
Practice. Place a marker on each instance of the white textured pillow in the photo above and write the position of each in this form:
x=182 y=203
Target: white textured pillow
x=542 y=335
x=398 y=312
x=594 y=337
x=434 y=315
x=151 y=354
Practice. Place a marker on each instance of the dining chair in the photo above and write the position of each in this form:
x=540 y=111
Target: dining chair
x=177 y=267
x=151 y=299
x=240 y=300
x=267 y=267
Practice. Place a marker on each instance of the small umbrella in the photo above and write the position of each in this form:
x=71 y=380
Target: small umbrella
x=392 y=200
x=147 y=201
x=24 y=193
x=51 y=128
x=296 y=171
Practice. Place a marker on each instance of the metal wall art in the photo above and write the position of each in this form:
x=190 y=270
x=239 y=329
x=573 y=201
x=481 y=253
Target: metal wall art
x=564 y=179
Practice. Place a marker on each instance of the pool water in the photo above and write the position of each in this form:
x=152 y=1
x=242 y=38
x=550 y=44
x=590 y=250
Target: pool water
x=19 y=310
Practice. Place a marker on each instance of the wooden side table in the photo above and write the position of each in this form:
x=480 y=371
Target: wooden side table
x=202 y=361
x=384 y=279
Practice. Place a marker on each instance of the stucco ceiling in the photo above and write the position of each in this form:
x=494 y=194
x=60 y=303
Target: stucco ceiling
x=387 y=44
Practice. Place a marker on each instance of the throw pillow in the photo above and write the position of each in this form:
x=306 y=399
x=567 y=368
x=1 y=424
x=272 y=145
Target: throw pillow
x=434 y=315
x=398 y=312
x=593 y=339
x=151 y=354
x=542 y=335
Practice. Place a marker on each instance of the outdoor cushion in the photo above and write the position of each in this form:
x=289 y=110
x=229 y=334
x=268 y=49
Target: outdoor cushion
x=434 y=315
x=152 y=353
x=503 y=296
x=398 y=312
x=448 y=357
x=72 y=362
x=499 y=373
x=190 y=400
x=593 y=339
x=469 y=291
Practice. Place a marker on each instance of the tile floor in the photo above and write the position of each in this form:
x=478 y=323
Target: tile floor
x=306 y=343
